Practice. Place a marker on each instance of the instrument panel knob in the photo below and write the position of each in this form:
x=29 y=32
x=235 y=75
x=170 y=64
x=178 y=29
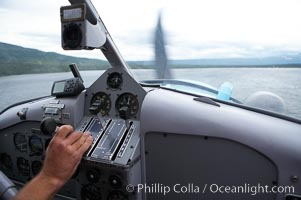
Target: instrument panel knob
x=48 y=126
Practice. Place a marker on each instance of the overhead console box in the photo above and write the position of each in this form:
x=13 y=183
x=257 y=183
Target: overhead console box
x=80 y=29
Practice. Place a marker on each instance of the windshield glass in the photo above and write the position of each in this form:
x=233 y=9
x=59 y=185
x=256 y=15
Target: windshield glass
x=246 y=52
x=249 y=50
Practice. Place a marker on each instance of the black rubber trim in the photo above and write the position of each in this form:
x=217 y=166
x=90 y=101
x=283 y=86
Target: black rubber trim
x=206 y=100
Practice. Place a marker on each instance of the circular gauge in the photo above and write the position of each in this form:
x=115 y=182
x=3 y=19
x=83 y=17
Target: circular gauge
x=36 y=167
x=100 y=103
x=93 y=175
x=127 y=104
x=36 y=145
x=23 y=166
x=114 y=81
x=117 y=195
x=20 y=142
x=91 y=192
x=115 y=181
x=6 y=161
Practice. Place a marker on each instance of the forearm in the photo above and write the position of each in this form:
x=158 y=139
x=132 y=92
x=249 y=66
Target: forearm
x=39 y=188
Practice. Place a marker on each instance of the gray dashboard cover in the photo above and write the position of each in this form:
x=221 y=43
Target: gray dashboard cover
x=194 y=166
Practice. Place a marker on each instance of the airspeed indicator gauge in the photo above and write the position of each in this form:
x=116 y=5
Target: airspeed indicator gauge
x=20 y=142
x=129 y=102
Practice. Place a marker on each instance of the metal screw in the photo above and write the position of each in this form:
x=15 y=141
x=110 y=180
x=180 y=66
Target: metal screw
x=294 y=179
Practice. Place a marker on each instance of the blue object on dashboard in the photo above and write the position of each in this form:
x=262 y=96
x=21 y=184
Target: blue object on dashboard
x=225 y=91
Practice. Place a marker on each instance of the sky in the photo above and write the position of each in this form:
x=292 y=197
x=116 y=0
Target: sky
x=193 y=28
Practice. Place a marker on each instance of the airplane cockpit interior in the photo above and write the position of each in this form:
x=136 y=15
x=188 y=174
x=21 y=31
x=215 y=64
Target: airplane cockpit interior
x=149 y=142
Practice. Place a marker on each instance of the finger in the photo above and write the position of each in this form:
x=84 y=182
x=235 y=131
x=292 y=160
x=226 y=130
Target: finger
x=73 y=137
x=64 y=131
x=76 y=145
x=83 y=148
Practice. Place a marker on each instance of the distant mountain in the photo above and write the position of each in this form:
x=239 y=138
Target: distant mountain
x=277 y=60
x=19 y=60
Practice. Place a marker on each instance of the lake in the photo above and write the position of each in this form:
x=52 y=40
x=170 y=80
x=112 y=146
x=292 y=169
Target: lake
x=284 y=82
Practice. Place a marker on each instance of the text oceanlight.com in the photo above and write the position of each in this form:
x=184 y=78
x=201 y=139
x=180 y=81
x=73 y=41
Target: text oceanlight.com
x=190 y=188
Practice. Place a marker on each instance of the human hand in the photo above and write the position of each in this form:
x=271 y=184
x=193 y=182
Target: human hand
x=64 y=154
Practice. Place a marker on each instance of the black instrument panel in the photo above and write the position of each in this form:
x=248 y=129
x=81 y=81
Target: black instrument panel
x=22 y=156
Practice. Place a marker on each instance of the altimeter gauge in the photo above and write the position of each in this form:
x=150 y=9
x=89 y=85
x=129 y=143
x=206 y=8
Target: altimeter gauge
x=100 y=103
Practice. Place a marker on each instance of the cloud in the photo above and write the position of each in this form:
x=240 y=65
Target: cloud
x=4 y=3
x=194 y=29
x=136 y=37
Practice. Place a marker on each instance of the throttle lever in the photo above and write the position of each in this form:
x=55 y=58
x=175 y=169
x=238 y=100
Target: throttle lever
x=101 y=120
x=124 y=113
